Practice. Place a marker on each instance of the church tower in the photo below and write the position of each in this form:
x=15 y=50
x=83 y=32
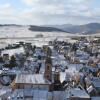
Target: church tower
x=48 y=69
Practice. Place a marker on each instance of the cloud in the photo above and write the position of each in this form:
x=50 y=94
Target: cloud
x=29 y=2
x=58 y=6
x=5 y=9
x=50 y=12
x=8 y=14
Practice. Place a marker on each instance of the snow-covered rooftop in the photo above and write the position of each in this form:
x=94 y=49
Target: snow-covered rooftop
x=77 y=93
x=31 y=79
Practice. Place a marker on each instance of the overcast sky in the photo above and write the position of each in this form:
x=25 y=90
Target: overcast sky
x=42 y=12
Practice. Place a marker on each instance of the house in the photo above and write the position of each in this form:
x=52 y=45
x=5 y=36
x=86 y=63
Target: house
x=5 y=57
x=96 y=84
x=4 y=92
x=95 y=98
x=77 y=94
x=94 y=88
x=32 y=81
x=30 y=94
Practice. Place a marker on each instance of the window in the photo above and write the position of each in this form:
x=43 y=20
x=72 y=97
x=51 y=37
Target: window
x=48 y=67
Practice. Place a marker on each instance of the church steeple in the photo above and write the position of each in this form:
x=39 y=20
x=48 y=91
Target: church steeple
x=48 y=69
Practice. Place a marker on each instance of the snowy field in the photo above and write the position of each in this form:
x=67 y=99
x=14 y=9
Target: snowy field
x=13 y=34
x=23 y=31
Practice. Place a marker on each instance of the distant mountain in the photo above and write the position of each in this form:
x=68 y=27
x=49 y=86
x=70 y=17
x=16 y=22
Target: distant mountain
x=91 y=28
x=10 y=25
x=45 y=29
x=64 y=26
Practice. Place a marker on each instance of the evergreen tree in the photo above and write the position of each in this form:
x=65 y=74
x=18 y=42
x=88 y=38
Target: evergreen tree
x=12 y=61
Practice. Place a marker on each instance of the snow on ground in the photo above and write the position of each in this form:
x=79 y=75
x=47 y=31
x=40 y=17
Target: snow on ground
x=18 y=33
x=13 y=34
x=13 y=51
x=23 y=31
